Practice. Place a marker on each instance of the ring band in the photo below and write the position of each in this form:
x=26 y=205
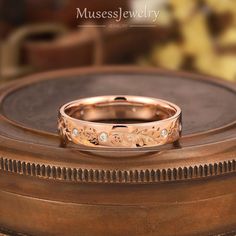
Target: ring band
x=119 y=121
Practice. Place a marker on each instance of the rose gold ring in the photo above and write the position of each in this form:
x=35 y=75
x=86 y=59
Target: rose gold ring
x=119 y=121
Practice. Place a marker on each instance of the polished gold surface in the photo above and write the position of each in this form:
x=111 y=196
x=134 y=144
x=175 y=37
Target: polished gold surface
x=70 y=191
x=120 y=121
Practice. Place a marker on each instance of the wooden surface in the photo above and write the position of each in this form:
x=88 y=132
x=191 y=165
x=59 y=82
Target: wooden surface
x=184 y=190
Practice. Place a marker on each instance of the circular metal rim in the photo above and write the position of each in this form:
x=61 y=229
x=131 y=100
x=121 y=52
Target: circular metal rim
x=222 y=165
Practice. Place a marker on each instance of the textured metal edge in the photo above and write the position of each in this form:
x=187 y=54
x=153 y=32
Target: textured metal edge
x=230 y=233
x=5 y=232
x=116 y=176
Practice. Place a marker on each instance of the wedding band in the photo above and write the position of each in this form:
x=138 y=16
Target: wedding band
x=119 y=121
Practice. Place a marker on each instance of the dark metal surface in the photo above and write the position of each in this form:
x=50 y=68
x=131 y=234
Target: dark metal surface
x=202 y=104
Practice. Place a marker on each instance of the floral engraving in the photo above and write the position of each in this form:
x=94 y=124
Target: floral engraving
x=64 y=129
x=120 y=137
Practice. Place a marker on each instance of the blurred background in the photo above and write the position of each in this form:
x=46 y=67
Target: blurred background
x=192 y=35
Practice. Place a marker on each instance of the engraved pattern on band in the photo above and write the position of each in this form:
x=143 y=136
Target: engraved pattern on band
x=135 y=135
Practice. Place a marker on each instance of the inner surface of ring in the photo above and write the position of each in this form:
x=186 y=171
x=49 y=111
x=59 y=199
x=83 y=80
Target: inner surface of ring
x=120 y=112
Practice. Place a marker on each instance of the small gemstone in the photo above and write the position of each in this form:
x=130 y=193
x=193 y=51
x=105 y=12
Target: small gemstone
x=164 y=133
x=75 y=132
x=103 y=137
